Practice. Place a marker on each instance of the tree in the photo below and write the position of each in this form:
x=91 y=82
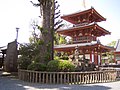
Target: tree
x=112 y=44
x=59 y=39
x=49 y=26
x=110 y=55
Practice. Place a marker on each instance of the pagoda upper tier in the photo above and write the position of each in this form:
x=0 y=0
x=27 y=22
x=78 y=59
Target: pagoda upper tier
x=87 y=16
x=92 y=29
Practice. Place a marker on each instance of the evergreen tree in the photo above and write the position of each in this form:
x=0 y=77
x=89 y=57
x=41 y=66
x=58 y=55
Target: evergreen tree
x=49 y=26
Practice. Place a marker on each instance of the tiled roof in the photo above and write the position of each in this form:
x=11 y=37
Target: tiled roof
x=84 y=27
x=118 y=46
x=74 y=45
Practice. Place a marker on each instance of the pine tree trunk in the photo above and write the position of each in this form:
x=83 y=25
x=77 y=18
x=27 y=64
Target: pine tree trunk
x=47 y=32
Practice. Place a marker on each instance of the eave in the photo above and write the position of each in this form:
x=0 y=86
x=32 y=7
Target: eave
x=85 y=46
x=93 y=26
x=91 y=11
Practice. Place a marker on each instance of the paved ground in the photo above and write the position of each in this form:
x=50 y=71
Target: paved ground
x=9 y=83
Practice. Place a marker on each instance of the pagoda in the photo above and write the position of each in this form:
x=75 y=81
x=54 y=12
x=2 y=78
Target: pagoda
x=84 y=34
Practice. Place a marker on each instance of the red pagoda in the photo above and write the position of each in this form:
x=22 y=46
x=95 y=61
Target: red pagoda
x=84 y=35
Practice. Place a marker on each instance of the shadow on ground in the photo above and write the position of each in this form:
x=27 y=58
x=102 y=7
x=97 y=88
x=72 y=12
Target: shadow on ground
x=9 y=83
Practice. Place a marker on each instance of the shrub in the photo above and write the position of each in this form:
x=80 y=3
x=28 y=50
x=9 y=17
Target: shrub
x=66 y=66
x=53 y=65
x=23 y=62
x=60 y=65
x=56 y=58
x=37 y=66
x=64 y=57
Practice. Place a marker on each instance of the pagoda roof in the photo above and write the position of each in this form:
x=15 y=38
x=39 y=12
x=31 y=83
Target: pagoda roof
x=92 y=26
x=90 y=11
x=68 y=47
x=73 y=45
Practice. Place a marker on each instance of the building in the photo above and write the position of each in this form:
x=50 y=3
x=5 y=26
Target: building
x=117 y=52
x=84 y=34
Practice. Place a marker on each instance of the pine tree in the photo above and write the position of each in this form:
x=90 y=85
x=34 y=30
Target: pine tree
x=49 y=26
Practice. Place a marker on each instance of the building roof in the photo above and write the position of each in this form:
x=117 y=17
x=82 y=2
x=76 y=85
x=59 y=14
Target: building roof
x=118 y=46
x=100 y=31
x=94 y=14
x=74 y=45
x=92 y=45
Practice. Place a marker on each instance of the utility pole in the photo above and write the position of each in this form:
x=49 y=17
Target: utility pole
x=84 y=4
x=17 y=29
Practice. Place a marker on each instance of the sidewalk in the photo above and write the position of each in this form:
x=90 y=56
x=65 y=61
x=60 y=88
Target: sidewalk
x=4 y=73
x=10 y=83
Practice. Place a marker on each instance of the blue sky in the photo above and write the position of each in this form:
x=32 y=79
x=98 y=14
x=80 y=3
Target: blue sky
x=19 y=13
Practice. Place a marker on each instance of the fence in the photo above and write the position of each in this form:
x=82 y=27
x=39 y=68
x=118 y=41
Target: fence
x=67 y=77
x=118 y=73
x=116 y=69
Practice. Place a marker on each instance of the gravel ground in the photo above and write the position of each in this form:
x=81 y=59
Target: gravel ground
x=10 y=83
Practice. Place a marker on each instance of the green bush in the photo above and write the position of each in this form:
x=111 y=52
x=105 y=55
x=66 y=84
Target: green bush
x=56 y=58
x=60 y=66
x=64 y=58
x=23 y=62
x=37 y=66
x=53 y=65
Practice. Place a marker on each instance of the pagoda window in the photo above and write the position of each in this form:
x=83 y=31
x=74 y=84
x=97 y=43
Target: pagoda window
x=84 y=39
x=84 y=20
x=80 y=34
x=87 y=56
x=75 y=35
x=79 y=21
x=86 y=33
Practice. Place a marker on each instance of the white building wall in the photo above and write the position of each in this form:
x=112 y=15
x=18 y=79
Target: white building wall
x=92 y=57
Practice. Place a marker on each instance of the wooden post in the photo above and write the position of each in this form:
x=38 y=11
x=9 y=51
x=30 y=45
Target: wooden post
x=90 y=56
x=61 y=78
x=64 y=78
x=33 y=75
x=46 y=78
x=54 y=78
x=71 y=78
x=68 y=78
x=39 y=77
x=77 y=79
x=58 y=78
x=36 y=79
x=50 y=78
x=96 y=58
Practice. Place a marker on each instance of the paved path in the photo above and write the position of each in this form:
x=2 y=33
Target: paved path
x=8 y=83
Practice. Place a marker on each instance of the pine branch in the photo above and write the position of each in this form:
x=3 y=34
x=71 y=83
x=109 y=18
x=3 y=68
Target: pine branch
x=58 y=27
x=35 y=4
x=58 y=22
x=57 y=12
x=56 y=7
x=57 y=17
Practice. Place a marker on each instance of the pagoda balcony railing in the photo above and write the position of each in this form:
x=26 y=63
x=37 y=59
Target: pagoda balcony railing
x=84 y=39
